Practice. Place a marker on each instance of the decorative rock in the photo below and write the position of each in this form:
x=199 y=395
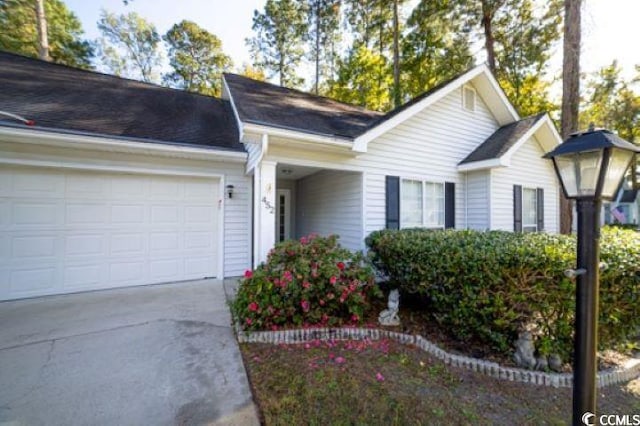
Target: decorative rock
x=555 y=362
x=542 y=364
x=390 y=316
x=524 y=355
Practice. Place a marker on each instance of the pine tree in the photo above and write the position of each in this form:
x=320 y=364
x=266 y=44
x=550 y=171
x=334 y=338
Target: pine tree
x=518 y=36
x=435 y=48
x=277 y=45
x=19 y=33
x=129 y=46
x=197 y=59
x=324 y=21
x=364 y=78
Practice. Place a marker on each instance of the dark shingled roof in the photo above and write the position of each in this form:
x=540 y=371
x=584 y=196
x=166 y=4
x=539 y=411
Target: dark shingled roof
x=502 y=139
x=629 y=196
x=60 y=97
x=264 y=103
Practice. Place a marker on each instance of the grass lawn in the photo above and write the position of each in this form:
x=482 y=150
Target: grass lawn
x=385 y=383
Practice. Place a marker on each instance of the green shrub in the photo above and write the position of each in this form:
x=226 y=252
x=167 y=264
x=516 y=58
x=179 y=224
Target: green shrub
x=489 y=285
x=313 y=281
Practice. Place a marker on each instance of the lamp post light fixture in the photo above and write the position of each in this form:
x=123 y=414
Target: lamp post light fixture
x=590 y=166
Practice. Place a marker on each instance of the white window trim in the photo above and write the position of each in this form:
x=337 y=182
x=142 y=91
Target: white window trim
x=528 y=225
x=424 y=202
x=475 y=98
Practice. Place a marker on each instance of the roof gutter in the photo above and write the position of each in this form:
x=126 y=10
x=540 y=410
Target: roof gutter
x=99 y=143
x=296 y=134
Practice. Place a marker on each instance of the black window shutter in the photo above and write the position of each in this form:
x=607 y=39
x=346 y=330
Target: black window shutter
x=540 y=207
x=517 y=208
x=449 y=205
x=392 y=202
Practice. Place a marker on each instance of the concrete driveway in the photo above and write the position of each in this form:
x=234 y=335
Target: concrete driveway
x=156 y=355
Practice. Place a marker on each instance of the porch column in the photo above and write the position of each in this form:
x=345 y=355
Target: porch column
x=264 y=235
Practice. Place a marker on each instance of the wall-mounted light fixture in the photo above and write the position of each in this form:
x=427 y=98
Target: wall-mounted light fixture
x=230 y=191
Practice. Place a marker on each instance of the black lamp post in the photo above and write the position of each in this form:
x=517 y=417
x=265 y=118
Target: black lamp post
x=591 y=167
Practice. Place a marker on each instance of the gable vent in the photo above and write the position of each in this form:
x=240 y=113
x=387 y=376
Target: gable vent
x=468 y=98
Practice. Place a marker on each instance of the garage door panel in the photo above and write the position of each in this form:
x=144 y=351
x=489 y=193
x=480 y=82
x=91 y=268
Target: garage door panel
x=84 y=276
x=29 y=183
x=166 y=269
x=198 y=240
x=79 y=213
x=129 y=188
x=127 y=272
x=26 y=214
x=85 y=186
x=128 y=213
x=34 y=246
x=31 y=280
x=197 y=266
x=67 y=231
x=166 y=189
x=128 y=244
x=166 y=214
x=83 y=245
x=164 y=241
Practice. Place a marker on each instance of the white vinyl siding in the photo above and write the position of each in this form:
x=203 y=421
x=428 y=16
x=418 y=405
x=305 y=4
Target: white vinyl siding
x=426 y=147
x=529 y=170
x=330 y=202
x=478 y=197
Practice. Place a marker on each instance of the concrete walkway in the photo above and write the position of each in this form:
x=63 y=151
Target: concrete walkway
x=154 y=355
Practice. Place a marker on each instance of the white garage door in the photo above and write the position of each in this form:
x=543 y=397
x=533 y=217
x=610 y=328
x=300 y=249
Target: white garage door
x=67 y=231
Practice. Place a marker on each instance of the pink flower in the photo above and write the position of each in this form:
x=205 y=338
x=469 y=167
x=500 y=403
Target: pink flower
x=248 y=274
x=305 y=305
x=306 y=284
x=333 y=280
x=304 y=240
x=340 y=360
x=253 y=306
x=287 y=276
x=340 y=266
x=379 y=377
x=248 y=321
x=355 y=318
x=321 y=302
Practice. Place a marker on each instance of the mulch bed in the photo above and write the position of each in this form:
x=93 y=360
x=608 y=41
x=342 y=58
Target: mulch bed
x=383 y=382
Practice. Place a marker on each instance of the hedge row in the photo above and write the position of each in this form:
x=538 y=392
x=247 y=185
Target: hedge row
x=491 y=285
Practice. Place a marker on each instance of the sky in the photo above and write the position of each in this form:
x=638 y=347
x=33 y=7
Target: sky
x=610 y=27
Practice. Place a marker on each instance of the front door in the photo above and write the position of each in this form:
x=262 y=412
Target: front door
x=283 y=214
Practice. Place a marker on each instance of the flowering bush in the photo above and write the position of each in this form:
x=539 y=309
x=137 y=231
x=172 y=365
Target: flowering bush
x=312 y=281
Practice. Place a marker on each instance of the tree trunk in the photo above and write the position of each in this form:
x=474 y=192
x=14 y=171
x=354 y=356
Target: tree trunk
x=397 y=96
x=487 y=18
x=43 y=39
x=317 y=47
x=570 y=91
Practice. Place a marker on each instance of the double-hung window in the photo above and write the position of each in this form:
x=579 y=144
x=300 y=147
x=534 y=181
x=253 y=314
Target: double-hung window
x=529 y=210
x=421 y=204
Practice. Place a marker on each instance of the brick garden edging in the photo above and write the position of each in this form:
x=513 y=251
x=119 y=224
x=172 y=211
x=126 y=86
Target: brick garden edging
x=488 y=368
